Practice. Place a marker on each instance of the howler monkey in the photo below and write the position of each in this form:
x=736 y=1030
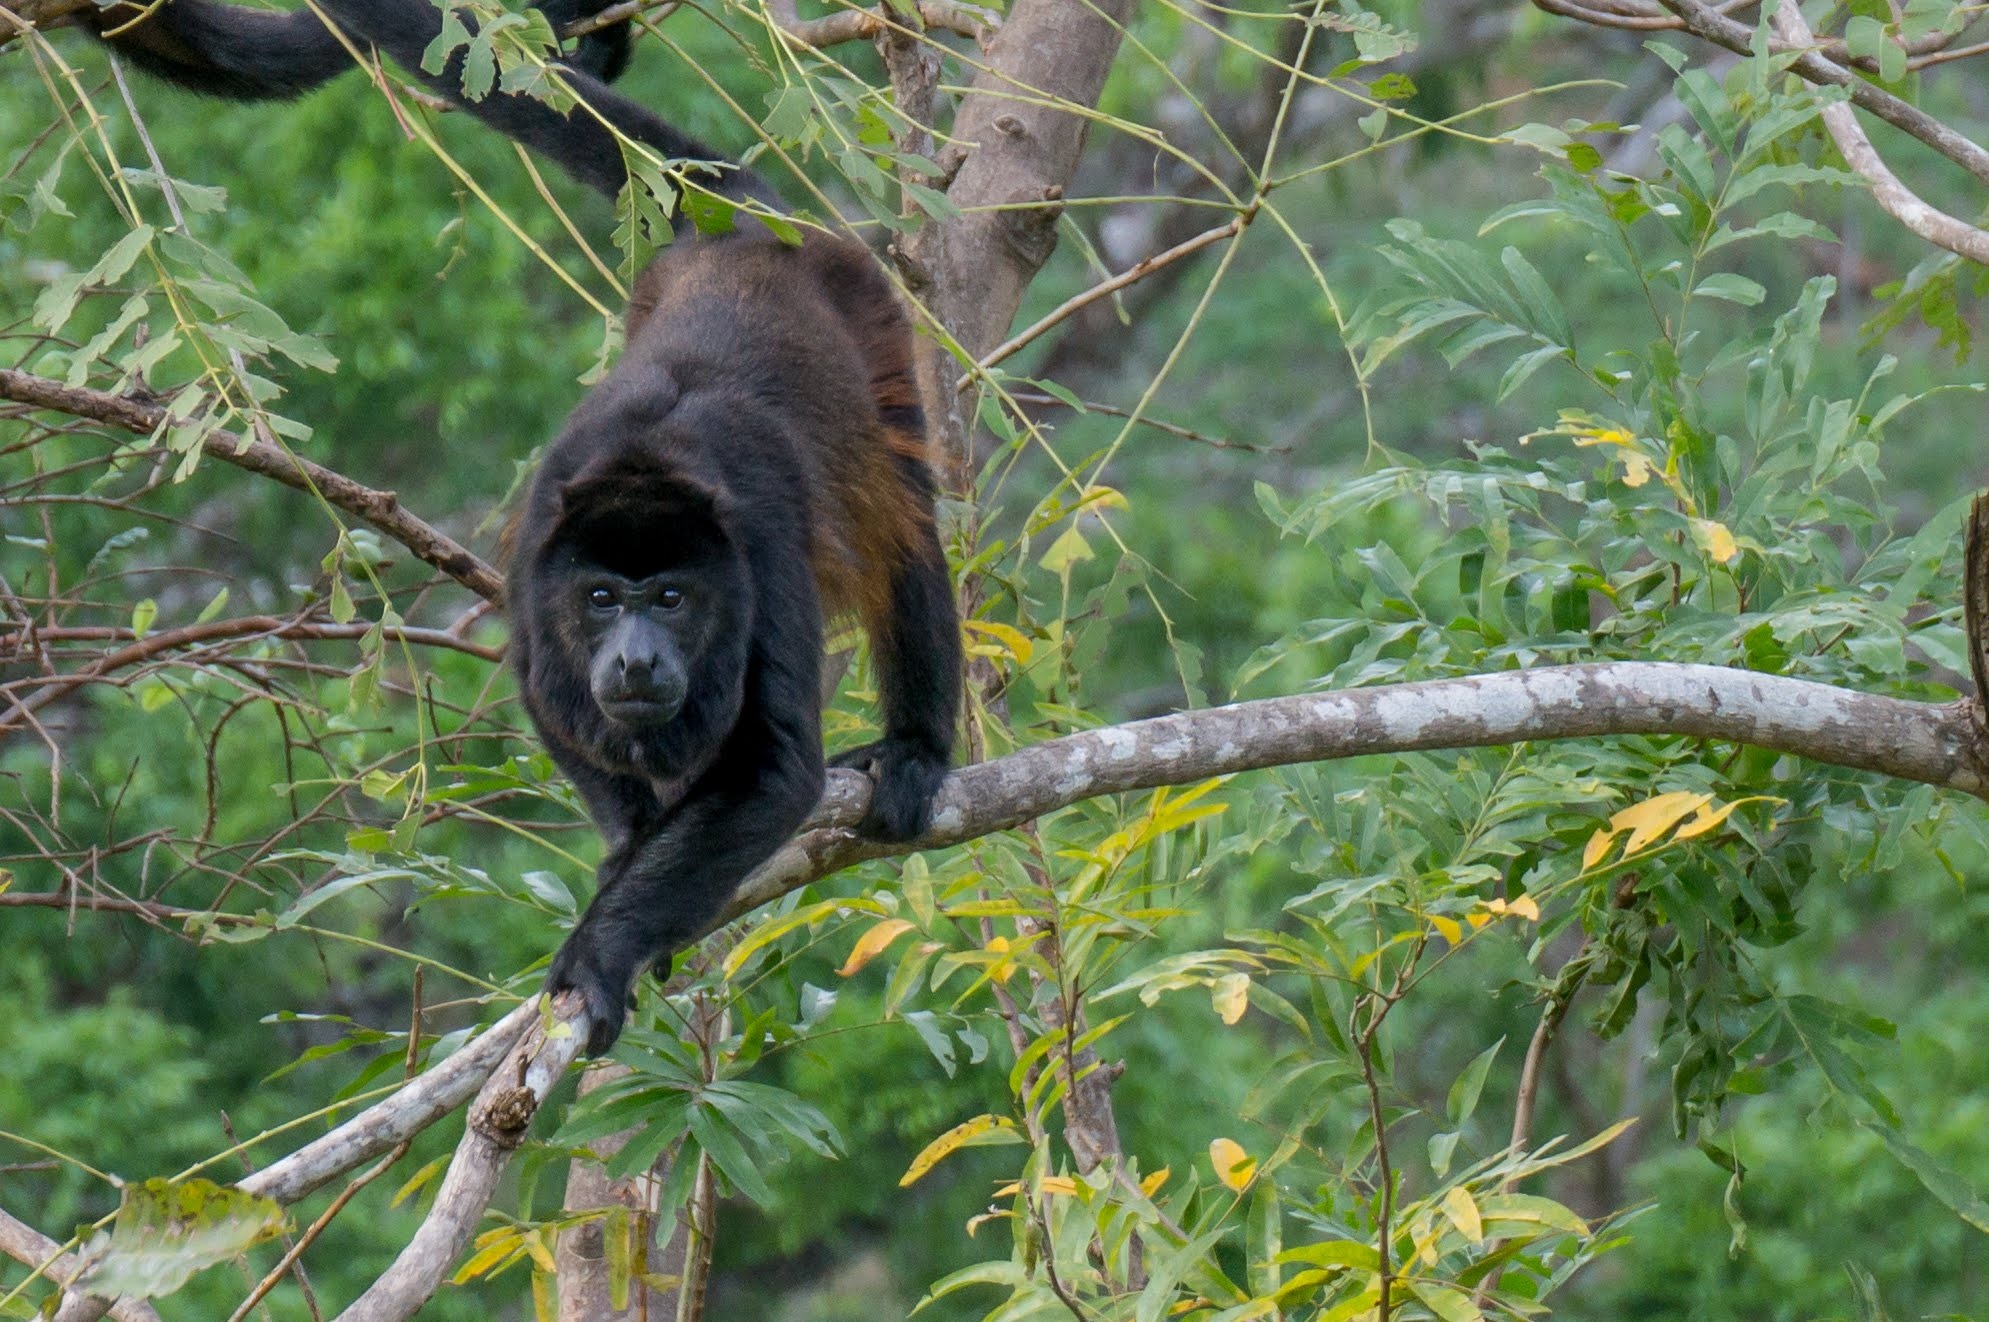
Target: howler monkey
x=754 y=463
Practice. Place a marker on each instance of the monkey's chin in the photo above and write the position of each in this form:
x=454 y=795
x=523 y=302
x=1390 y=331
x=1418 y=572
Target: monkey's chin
x=636 y=714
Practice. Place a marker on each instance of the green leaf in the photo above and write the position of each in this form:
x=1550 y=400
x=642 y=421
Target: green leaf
x=1463 y=1098
x=1956 y=1193
x=1732 y=289
x=166 y=1230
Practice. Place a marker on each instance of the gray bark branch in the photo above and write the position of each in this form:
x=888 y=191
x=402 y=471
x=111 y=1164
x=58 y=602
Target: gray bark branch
x=1940 y=744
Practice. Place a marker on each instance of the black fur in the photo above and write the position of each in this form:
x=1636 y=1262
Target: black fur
x=759 y=438
x=260 y=55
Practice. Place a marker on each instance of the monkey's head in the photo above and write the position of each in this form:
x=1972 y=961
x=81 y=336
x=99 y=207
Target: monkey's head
x=647 y=590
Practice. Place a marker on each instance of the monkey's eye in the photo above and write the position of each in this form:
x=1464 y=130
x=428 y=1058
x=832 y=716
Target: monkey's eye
x=669 y=599
x=601 y=598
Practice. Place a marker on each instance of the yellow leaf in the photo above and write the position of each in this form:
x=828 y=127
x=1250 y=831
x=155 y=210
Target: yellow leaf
x=1233 y=1166
x=775 y=928
x=1526 y=908
x=1102 y=498
x=1151 y=1184
x=949 y=1141
x=535 y=1245
x=1605 y=436
x=872 y=943
x=1636 y=469
x=1597 y=846
x=1061 y=1185
x=1013 y=641
x=1707 y=819
x=1449 y=928
x=1650 y=819
x=1231 y=995
x=1463 y=1213
x=1715 y=539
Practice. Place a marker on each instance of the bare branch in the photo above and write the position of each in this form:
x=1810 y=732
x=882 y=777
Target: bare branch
x=36 y=1251
x=403 y=1115
x=1935 y=743
x=1710 y=25
x=1899 y=201
x=382 y=509
x=499 y=1118
x=1138 y=271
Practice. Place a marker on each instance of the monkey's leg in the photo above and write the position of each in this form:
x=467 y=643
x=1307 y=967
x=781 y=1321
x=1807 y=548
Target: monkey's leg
x=916 y=648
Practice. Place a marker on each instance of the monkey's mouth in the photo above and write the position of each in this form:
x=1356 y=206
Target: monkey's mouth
x=639 y=713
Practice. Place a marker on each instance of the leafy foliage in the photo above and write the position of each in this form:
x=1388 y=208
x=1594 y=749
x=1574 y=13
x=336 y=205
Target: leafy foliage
x=1310 y=991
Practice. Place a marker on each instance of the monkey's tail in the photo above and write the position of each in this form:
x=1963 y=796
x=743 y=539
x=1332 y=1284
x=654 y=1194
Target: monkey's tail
x=224 y=50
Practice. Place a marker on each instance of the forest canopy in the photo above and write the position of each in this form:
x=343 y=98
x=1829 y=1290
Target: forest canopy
x=1471 y=791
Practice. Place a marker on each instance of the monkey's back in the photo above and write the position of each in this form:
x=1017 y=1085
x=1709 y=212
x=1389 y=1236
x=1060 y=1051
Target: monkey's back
x=813 y=338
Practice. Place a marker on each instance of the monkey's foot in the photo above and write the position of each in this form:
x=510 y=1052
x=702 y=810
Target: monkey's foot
x=905 y=774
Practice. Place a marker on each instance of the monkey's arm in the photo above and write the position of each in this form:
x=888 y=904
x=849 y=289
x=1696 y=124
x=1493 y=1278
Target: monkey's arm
x=668 y=883
x=916 y=648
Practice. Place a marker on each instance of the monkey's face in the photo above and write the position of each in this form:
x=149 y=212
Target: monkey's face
x=645 y=638
x=646 y=591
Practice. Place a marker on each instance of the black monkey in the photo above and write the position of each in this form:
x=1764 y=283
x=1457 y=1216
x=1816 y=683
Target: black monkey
x=263 y=55
x=754 y=463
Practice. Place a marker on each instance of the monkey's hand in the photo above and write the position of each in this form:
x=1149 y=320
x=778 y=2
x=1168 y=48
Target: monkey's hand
x=604 y=979
x=905 y=774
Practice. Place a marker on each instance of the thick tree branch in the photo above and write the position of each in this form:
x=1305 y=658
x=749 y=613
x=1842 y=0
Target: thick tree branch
x=970 y=270
x=1936 y=743
x=373 y=1131
x=382 y=509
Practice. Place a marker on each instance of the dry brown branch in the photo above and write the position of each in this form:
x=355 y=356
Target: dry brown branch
x=382 y=509
x=966 y=20
x=1899 y=201
x=41 y=690
x=1133 y=274
x=90 y=902
x=1640 y=16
